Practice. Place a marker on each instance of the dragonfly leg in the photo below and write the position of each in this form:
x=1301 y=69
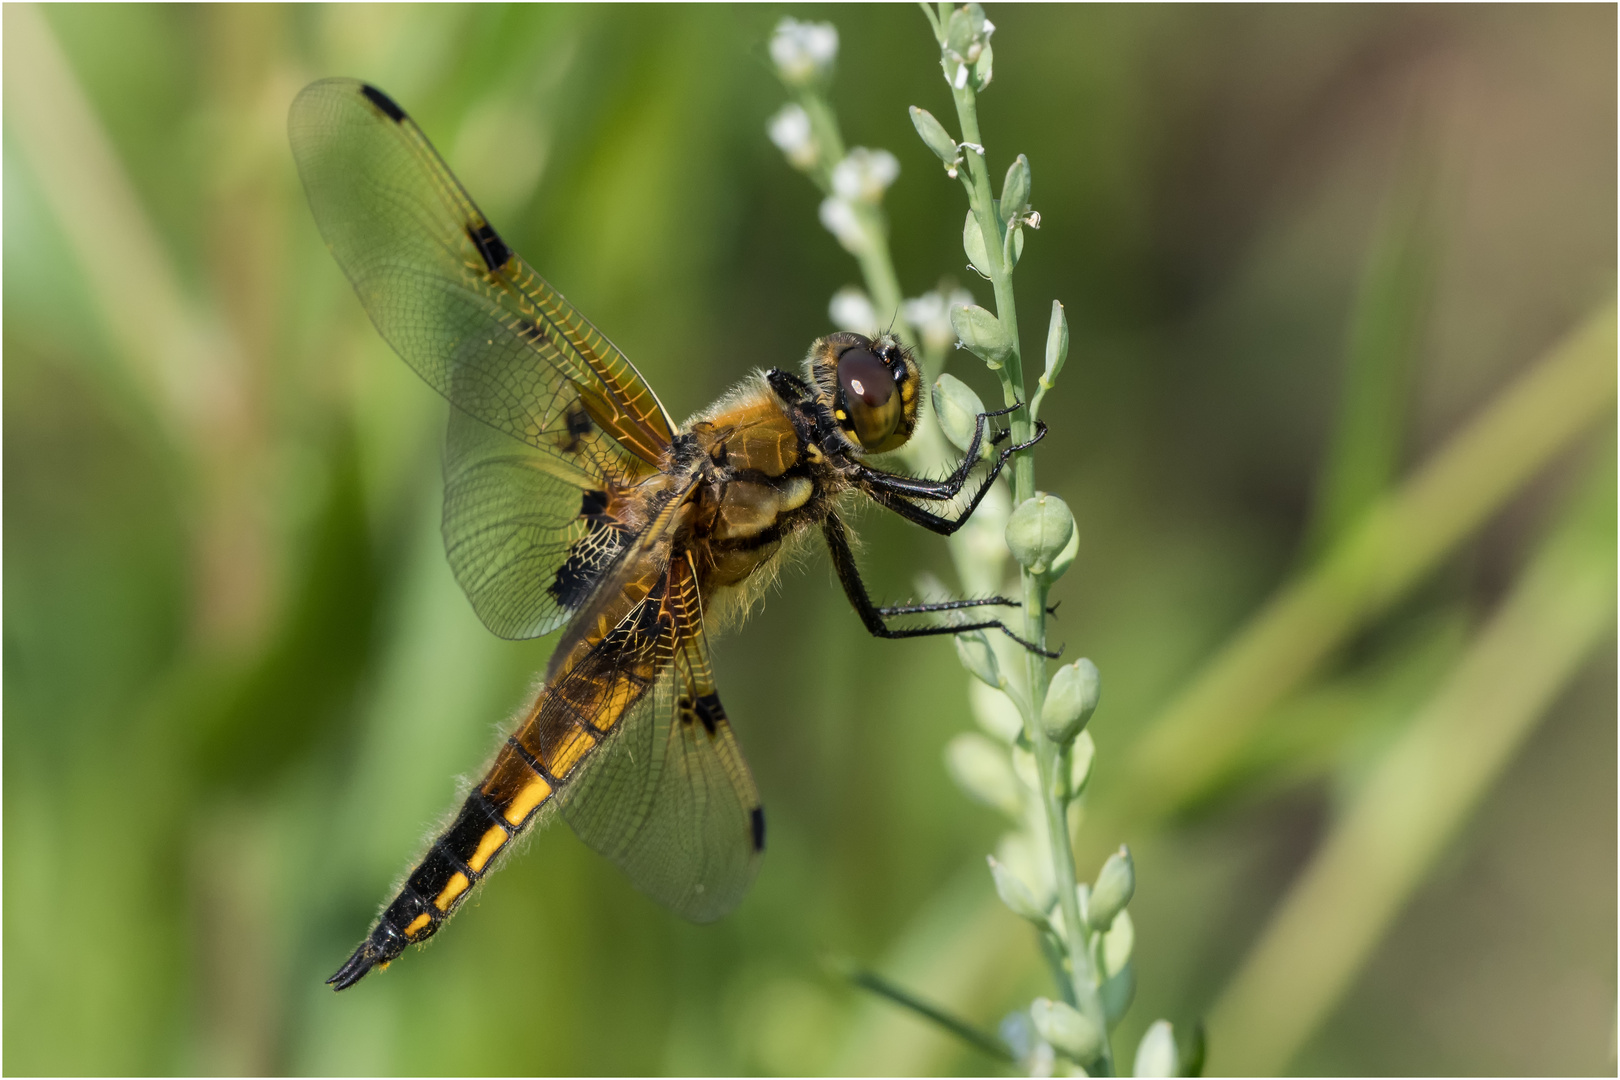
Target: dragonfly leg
x=875 y=617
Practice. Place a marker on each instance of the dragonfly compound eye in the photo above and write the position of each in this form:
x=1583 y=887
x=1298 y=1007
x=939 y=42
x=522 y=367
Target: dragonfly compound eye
x=868 y=399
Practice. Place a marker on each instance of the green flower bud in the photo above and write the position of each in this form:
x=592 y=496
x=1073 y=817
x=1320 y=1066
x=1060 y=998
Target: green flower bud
x=1118 y=944
x=1057 y=344
x=1116 y=883
x=1081 y=755
x=934 y=135
x=1117 y=993
x=967 y=32
x=1067 y=1029
x=1156 y=1053
x=983 y=333
x=1070 y=700
x=981 y=66
x=995 y=711
x=973 y=245
x=1023 y=767
x=980 y=768
x=1038 y=531
x=958 y=409
x=1060 y=564
x=973 y=648
x=1015 y=190
x=1015 y=894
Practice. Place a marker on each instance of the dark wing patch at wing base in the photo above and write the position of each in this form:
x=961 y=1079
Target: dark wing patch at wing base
x=526 y=538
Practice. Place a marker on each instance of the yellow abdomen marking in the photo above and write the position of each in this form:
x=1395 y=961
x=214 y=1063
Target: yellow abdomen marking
x=417 y=924
x=487 y=846
x=453 y=888
x=537 y=792
x=568 y=753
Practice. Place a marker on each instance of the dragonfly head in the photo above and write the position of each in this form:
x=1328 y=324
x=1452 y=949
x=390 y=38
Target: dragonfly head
x=871 y=386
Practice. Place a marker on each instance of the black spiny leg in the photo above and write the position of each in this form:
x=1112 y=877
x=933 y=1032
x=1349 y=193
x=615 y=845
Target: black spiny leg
x=896 y=492
x=849 y=576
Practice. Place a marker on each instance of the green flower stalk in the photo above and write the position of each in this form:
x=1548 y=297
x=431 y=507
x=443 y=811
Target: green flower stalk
x=1037 y=760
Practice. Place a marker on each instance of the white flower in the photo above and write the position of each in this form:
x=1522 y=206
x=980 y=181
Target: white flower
x=803 y=52
x=790 y=130
x=864 y=175
x=842 y=220
x=851 y=309
x=930 y=315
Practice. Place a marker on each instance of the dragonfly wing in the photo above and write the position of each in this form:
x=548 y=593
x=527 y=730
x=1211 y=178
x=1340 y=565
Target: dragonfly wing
x=446 y=292
x=670 y=800
x=529 y=536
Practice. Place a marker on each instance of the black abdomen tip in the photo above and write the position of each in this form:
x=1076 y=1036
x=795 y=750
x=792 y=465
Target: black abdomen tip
x=386 y=104
x=382 y=945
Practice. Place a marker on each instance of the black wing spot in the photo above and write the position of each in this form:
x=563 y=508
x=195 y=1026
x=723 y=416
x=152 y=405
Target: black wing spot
x=709 y=711
x=494 y=250
x=383 y=102
x=577 y=424
x=533 y=332
x=756 y=818
x=591 y=554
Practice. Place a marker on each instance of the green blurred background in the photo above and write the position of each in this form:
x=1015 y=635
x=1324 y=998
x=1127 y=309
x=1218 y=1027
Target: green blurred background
x=1301 y=248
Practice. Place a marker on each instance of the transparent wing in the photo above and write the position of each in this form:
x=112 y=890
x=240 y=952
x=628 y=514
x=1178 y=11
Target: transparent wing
x=529 y=536
x=668 y=796
x=448 y=294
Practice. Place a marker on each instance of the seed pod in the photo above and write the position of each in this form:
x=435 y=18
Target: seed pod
x=1038 y=531
x=973 y=648
x=973 y=244
x=958 y=409
x=1015 y=190
x=934 y=135
x=983 y=333
x=1067 y=1029
x=1070 y=700
x=1015 y=894
x=1116 y=883
x=1057 y=345
x=1156 y=1053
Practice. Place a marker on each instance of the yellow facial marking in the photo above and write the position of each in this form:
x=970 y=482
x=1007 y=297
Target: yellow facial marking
x=417 y=924
x=453 y=888
x=487 y=846
x=527 y=799
x=840 y=415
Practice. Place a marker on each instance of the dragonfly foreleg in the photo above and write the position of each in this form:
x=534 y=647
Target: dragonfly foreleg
x=874 y=617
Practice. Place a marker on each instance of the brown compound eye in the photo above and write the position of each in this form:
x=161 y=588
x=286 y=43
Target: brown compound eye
x=868 y=396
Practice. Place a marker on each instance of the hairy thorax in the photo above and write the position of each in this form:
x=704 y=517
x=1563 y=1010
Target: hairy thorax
x=763 y=482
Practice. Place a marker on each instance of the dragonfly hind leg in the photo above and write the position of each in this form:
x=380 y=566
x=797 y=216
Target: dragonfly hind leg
x=874 y=617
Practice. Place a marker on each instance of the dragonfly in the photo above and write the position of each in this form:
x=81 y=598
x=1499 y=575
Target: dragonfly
x=573 y=501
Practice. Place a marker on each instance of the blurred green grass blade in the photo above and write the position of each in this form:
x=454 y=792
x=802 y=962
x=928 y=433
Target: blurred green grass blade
x=981 y=1041
x=1386 y=331
x=1422 y=792
x=1398 y=541
x=132 y=279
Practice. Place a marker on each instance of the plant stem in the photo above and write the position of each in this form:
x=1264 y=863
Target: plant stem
x=1083 y=974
